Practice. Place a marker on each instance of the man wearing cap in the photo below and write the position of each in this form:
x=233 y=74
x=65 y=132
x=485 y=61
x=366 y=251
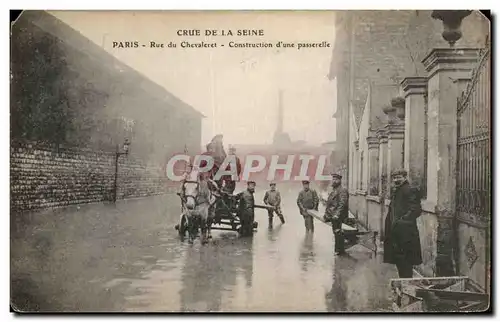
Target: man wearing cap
x=308 y=200
x=273 y=198
x=402 y=240
x=246 y=206
x=337 y=211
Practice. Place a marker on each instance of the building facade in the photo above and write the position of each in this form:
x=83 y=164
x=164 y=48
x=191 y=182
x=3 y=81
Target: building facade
x=381 y=48
x=398 y=83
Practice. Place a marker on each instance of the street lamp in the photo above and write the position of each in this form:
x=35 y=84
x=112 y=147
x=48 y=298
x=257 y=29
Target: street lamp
x=125 y=147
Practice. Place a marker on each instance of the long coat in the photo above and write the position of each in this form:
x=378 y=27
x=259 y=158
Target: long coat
x=247 y=202
x=402 y=240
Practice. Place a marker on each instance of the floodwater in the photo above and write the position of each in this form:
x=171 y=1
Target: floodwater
x=128 y=257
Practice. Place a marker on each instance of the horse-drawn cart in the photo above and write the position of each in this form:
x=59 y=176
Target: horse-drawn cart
x=226 y=216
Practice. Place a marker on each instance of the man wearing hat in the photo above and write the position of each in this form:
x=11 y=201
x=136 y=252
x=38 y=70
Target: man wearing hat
x=273 y=198
x=246 y=206
x=308 y=200
x=402 y=240
x=229 y=183
x=337 y=211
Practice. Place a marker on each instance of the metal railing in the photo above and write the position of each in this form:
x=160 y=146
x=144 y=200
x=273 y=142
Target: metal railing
x=473 y=143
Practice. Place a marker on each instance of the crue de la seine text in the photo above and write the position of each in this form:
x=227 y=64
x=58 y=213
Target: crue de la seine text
x=215 y=32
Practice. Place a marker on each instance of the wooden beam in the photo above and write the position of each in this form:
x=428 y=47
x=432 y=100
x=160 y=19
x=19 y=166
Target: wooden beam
x=451 y=295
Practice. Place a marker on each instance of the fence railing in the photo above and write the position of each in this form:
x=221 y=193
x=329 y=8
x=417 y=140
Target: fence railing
x=473 y=143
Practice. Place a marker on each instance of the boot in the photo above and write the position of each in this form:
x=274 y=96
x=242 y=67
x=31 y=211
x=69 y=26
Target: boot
x=270 y=222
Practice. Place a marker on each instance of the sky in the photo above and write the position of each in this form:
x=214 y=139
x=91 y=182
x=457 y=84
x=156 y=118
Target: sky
x=235 y=88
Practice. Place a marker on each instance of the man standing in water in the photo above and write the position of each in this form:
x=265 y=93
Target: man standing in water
x=273 y=198
x=308 y=200
x=246 y=208
x=402 y=240
x=337 y=211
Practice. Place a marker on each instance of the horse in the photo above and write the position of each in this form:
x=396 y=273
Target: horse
x=198 y=201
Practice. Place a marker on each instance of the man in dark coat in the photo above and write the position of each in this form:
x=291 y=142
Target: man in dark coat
x=308 y=200
x=246 y=207
x=402 y=240
x=337 y=211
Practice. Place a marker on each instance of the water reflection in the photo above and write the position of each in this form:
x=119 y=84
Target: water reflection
x=210 y=272
x=273 y=234
x=307 y=255
x=336 y=298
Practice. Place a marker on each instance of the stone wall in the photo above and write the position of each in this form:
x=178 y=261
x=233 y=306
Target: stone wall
x=473 y=253
x=67 y=90
x=45 y=176
x=389 y=45
x=358 y=206
x=374 y=214
x=427 y=225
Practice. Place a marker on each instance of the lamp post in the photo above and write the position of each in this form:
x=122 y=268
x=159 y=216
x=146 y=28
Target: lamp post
x=126 y=145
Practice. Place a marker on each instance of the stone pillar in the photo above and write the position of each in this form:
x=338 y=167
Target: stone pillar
x=382 y=163
x=415 y=89
x=356 y=166
x=445 y=67
x=373 y=168
x=395 y=136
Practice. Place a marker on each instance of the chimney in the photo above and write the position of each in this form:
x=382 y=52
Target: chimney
x=279 y=128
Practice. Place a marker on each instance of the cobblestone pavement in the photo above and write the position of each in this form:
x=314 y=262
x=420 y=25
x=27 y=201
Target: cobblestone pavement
x=127 y=257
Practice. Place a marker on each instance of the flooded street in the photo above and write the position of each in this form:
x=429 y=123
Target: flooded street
x=128 y=257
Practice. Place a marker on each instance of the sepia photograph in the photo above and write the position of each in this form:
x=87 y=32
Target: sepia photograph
x=247 y=161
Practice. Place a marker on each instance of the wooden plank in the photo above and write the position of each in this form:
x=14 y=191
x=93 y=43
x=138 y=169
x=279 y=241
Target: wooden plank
x=263 y=207
x=452 y=295
x=369 y=241
x=457 y=287
x=474 y=306
x=316 y=214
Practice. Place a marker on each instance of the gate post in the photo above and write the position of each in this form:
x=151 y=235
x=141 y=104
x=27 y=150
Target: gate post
x=395 y=134
x=444 y=67
x=415 y=89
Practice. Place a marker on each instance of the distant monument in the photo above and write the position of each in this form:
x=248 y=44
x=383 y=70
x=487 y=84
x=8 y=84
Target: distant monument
x=281 y=139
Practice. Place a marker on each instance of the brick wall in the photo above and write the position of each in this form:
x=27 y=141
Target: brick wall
x=44 y=175
x=66 y=89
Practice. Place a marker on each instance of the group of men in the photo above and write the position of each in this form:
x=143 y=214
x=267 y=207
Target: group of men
x=336 y=206
x=401 y=242
x=215 y=149
x=336 y=209
x=401 y=236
